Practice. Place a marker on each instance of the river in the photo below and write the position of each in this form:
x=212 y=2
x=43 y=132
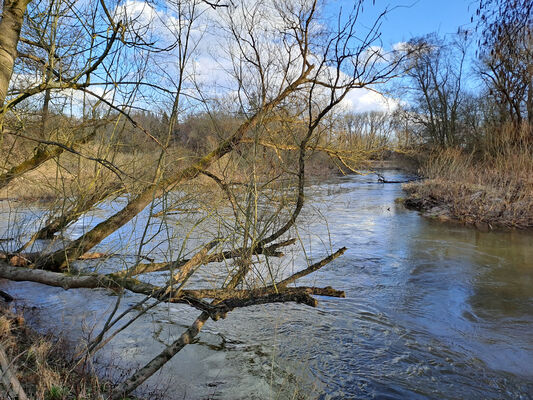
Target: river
x=432 y=311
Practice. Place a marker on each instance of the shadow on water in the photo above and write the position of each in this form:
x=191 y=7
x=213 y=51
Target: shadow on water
x=431 y=311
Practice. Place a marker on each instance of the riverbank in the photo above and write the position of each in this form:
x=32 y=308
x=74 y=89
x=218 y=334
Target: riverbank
x=36 y=366
x=486 y=193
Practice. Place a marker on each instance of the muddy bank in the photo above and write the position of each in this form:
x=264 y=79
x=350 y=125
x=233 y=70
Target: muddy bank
x=481 y=206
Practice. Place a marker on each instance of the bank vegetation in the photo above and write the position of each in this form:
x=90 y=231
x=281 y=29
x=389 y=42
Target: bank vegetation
x=147 y=145
x=470 y=115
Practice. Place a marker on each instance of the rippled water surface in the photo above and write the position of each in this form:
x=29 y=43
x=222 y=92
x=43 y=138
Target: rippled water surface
x=432 y=310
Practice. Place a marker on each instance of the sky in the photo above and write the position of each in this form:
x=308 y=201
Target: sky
x=410 y=18
x=406 y=19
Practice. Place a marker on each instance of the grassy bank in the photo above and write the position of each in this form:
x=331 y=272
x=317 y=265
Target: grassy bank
x=41 y=365
x=487 y=191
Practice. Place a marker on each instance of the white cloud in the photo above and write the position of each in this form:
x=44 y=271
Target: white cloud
x=211 y=64
x=400 y=46
x=363 y=100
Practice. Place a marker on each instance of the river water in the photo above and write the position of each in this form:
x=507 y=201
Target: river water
x=432 y=311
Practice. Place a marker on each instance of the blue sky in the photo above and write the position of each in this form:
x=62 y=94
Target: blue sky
x=405 y=20
x=409 y=18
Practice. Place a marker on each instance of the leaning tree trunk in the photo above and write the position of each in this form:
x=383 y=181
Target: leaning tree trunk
x=59 y=260
x=42 y=154
x=10 y=26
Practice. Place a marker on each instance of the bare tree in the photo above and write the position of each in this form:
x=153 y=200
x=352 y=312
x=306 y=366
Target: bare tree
x=289 y=73
x=506 y=54
x=435 y=84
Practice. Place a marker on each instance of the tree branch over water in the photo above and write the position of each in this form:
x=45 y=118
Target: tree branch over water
x=133 y=76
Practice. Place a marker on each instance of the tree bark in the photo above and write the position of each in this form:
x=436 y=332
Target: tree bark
x=10 y=26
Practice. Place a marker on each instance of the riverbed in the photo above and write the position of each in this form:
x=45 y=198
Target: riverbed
x=432 y=311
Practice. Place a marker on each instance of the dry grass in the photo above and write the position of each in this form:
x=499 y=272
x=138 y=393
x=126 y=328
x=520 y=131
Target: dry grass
x=494 y=189
x=42 y=366
x=71 y=175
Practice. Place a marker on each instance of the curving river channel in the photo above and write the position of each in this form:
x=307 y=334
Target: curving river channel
x=432 y=311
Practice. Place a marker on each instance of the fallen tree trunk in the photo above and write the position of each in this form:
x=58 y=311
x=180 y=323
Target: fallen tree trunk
x=226 y=298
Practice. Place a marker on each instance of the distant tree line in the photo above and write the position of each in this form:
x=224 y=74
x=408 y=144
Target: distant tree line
x=477 y=107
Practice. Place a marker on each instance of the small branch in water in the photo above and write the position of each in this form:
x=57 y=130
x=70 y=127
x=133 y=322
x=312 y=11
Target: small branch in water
x=6 y=296
x=381 y=179
x=139 y=269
